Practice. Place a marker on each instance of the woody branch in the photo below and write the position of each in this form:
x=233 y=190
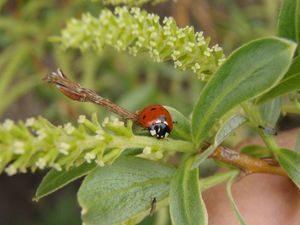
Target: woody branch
x=76 y=92
x=246 y=163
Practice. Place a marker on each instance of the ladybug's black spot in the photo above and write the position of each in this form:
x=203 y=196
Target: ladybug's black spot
x=144 y=117
x=152 y=109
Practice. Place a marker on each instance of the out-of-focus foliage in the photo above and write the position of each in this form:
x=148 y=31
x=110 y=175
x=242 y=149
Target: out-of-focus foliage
x=64 y=212
x=257 y=19
x=232 y=22
x=26 y=53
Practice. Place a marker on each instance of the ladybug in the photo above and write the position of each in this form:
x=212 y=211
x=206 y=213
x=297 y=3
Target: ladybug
x=157 y=120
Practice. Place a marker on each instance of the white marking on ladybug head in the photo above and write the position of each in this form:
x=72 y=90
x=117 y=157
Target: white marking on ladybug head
x=158 y=121
x=165 y=122
x=152 y=132
x=167 y=134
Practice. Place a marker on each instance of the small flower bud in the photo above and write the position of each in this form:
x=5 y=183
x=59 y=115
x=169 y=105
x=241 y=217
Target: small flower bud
x=89 y=157
x=100 y=163
x=64 y=148
x=8 y=124
x=105 y=121
x=41 y=134
x=30 y=122
x=69 y=128
x=147 y=150
x=81 y=119
x=41 y=163
x=18 y=147
x=11 y=170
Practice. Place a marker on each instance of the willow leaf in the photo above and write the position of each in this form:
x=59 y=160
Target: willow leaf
x=250 y=71
x=186 y=204
x=289 y=20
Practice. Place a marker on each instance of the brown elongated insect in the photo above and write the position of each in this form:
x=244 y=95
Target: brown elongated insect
x=76 y=92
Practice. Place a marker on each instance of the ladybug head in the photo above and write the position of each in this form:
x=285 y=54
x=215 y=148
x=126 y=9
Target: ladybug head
x=160 y=128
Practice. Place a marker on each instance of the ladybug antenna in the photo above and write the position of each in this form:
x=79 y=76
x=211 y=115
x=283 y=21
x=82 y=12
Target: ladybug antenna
x=76 y=92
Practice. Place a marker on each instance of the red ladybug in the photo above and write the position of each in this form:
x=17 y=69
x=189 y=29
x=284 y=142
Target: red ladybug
x=157 y=120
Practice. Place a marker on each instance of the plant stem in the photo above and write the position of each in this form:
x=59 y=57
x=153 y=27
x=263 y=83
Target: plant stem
x=142 y=142
x=294 y=109
x=211 y=181
x=245 y=162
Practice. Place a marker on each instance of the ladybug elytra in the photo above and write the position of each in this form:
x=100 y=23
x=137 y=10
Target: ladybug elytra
x=157 y=120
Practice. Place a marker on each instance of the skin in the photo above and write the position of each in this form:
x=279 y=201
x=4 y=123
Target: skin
x=262 y=199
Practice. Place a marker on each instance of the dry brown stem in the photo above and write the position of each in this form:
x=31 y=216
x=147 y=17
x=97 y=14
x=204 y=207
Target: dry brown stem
x=76 y=92
x=246 y=163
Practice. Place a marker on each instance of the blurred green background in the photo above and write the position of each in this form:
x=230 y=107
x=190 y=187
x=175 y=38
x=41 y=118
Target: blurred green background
x=27 y=54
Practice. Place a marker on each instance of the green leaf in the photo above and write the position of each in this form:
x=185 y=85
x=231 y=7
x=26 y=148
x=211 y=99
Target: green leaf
x=228 y=127
x=290 y=161
x=250 y=71
x=289 y=20
x=256 y=151
x=232 y=202
x=270 y=112
x=123 y=191
x=182 y=126
x=186 y=203
x=290 y=82
x=55 y=180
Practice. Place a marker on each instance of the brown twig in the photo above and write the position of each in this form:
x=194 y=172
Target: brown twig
x=76 y=92
x=245 y=162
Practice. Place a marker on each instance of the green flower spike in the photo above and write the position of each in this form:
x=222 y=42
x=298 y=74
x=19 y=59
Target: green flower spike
x=38 y=144
x=136 y=31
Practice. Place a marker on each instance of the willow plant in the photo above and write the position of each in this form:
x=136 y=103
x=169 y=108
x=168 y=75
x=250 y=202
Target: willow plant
x=128 y=2
x=128 y=174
